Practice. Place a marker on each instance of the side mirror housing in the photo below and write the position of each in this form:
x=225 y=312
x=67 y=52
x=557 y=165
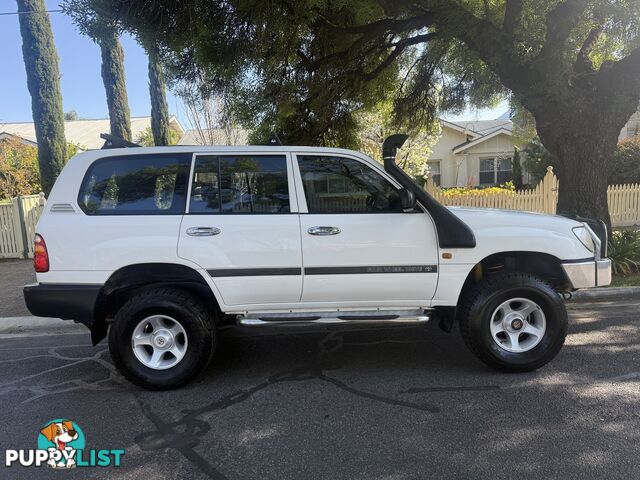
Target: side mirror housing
x=407 y=200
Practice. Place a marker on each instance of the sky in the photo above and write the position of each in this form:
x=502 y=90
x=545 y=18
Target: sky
x=82 y=88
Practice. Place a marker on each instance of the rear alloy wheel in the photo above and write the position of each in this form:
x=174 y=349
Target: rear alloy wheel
x=162 y=338
x=513 y=322
x=159 y=342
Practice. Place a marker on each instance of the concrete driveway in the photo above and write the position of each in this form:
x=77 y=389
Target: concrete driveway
x=402 y=403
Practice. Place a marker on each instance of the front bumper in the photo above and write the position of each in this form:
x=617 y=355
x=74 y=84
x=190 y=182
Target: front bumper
x=588 y=273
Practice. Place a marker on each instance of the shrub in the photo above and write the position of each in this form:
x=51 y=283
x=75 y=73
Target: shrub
x=19 y=173
x=624 y=252
x=625 y=164
x=508 y=188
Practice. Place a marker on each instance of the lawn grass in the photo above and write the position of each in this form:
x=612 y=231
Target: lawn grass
x=632 y=280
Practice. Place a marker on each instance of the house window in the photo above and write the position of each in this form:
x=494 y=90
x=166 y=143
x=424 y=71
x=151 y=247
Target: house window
x=434 y=172
x=495 y=171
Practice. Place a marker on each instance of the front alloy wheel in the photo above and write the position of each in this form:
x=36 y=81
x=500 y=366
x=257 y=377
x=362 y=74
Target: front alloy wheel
x=518 y=325
x=513 y=322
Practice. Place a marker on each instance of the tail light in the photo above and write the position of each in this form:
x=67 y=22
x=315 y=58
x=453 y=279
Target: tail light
x=40 y=255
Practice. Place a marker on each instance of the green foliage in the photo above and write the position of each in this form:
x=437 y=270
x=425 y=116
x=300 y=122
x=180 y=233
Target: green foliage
x=145 y=138
x=43 y=80
x=19 y=174
x=624 y=252
x=375 y=125
x=517 y=169
x=625 y=165
x=115 y=86
x=536 y=161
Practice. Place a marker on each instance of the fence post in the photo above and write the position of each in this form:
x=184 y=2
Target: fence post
x=548 y=192
x=19 y=205
x=429 y=186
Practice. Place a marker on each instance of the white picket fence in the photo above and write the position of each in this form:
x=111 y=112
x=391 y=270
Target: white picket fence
x=18 y=220
x=624 y=200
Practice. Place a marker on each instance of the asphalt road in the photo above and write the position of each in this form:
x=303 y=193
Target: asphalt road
x=401 y=403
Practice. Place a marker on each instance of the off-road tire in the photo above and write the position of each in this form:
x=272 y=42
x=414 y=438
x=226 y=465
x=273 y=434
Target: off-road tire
x=196 y=320
x=480 y=301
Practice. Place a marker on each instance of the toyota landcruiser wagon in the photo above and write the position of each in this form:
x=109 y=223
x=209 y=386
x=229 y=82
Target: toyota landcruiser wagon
x=160 y=247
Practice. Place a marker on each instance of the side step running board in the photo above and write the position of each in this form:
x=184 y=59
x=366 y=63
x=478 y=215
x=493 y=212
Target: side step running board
x=335 y=320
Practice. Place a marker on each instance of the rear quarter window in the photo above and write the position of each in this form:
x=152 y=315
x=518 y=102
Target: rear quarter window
x=153 y=184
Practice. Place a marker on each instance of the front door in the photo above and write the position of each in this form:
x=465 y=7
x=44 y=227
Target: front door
x=358 y=245
x=242 y=226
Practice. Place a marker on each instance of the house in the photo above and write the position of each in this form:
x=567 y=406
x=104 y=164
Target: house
x=12 y=137
x=85 y=133
x=473 y=153
x=215 y=136
x=632 y=128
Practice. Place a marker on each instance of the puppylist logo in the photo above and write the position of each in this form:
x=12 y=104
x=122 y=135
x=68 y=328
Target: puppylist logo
x=61 y=445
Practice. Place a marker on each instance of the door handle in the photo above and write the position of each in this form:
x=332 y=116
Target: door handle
x=203 y=231
x=323 y=230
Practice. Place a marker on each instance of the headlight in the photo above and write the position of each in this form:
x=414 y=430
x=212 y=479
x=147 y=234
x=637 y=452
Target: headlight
x=585 y=238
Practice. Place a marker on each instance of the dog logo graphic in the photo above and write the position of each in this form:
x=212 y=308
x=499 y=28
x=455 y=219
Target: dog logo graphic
x=61 y=438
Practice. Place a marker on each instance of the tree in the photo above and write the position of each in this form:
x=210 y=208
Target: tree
x=112 y=71
x=212 y=118
x=71 y=115
x=159 y=109
x=43 y=81
x=536 y=161
x=572 y=63
x=100 y=26
x=517 y=169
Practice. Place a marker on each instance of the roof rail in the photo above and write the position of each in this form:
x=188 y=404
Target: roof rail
x=111 y=141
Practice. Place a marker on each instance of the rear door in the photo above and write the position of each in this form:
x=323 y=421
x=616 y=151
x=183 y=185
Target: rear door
x=358 y=244
x=242 y=226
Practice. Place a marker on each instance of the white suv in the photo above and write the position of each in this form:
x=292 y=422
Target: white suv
x=161 y=246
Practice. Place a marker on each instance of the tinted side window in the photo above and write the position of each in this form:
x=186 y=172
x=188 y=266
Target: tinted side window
x=240 y=184
x=136 y=185
x=343 y=185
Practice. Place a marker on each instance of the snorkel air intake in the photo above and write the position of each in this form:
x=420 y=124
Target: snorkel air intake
x=452 y=232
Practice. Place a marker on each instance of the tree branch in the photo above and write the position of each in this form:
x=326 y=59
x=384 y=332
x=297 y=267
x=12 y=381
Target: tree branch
x=583 y=63
x=560 y=21
x=512 y=13
x=399 y=47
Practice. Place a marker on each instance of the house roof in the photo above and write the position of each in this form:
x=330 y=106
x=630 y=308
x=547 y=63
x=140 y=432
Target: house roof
x=477 y=128
x=11 y=136
x=472 y=143
x=85 y=133
x=215 y=136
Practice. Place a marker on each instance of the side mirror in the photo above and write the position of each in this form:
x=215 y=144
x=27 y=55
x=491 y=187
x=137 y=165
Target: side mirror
x=407 y=200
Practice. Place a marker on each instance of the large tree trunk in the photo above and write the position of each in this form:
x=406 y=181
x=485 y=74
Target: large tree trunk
x=115 y=86
x=581 y=133
x=159 y=110
x=581 y=168
x=43 y=80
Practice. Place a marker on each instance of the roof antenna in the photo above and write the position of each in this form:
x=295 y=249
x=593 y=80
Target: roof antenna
x=274 y=140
